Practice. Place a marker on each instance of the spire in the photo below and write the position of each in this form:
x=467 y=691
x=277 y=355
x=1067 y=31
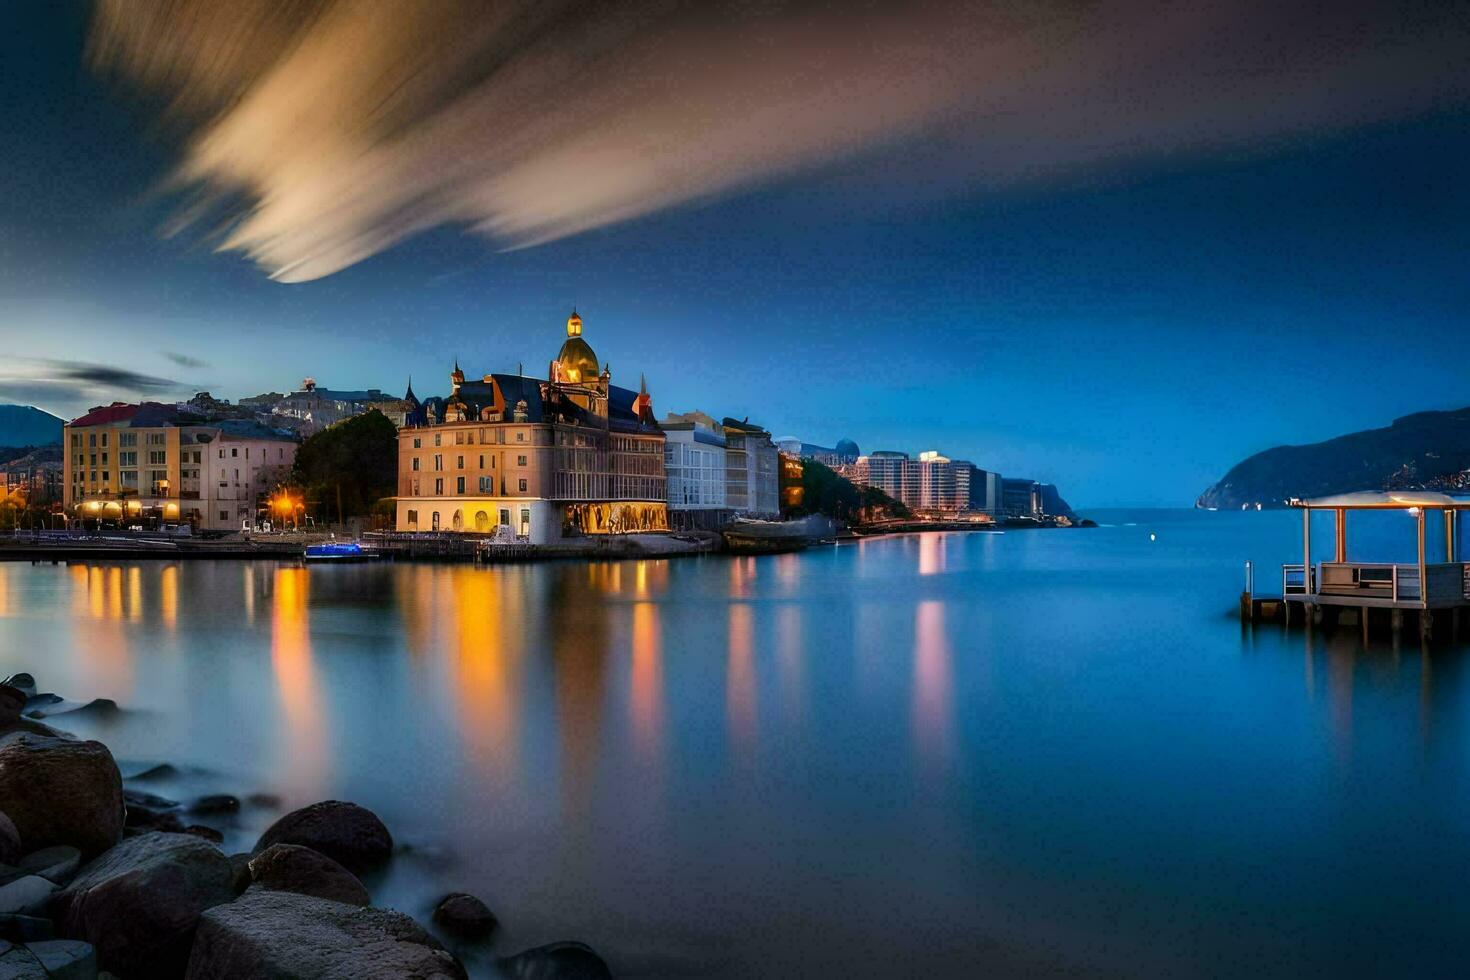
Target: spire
x=642 y=383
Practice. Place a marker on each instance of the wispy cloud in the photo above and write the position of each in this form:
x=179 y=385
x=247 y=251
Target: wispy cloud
x=67 y=386
x=185 y=361
x=320 y=132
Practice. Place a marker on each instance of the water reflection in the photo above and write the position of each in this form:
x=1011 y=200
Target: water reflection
x=578 y=627
x=485 y=656
x=647 y=692
x=933 y=690
x=932 y=553
x=303 y=755
x=740 y=693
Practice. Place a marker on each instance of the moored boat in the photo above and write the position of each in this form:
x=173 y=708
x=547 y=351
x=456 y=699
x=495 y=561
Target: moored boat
x=338 y=552
x=750 y=537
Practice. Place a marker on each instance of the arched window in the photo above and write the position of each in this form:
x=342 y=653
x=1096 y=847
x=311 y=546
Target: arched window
x=482 y=521
x=435 y=522
x=458 y=520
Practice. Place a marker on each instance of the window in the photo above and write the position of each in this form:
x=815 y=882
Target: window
x=523 y=486
x=104 y=438
x=439 y=488
x=234 y=452
x=224 y=515
x=413 y=515
x=525 y=522
x=436 y=520
x=520 y=437
x=157 y=457
x=505 y=516
x=487 y=484
x=104 y=459
x=459 y=465
x=417 y=444
x=93 y=460
x=437 y=437
x=459 y=485
x=92 y=440
x=127 y=439
x=520 y=461
x=157 y=439
x=482 y=462
x=414 y=465
x=438 y=462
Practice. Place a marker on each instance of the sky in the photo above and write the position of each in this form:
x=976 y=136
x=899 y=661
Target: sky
x=1113 y=246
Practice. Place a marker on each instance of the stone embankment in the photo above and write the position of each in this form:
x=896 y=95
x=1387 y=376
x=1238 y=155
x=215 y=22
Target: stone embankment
x=101 y=881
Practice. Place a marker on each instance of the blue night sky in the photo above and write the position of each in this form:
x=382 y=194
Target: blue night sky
x=1127 y=325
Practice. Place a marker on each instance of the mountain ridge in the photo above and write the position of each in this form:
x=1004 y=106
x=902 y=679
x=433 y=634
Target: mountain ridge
x=1423 y=450
x=26 y=425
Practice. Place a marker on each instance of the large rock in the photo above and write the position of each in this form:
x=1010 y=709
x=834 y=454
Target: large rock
x=10 y=849
x=57 y=864
x=65 y=959
x=19 y=963
x=556 y=961
x=26 y=895
x=351 y=835
x=267 y=935
x=140 y=902
x=12 y=703
x=465 y=916
x=293 y=868
x=61 y=791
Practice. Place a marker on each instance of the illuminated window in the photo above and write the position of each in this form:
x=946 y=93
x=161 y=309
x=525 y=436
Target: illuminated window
x=523 y=486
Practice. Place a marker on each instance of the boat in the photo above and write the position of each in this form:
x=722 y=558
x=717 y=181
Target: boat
x=744 y=536
x=338 y=552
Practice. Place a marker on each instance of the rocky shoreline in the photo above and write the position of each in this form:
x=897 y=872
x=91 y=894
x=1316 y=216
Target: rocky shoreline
x=98 y=880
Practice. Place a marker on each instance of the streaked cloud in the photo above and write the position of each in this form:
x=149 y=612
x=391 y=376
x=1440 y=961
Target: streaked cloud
x=184 y=360
x=319 y=133
x=68 y=387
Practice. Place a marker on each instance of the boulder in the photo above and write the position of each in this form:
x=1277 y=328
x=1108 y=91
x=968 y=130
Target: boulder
x=61 y=791
x=140 y=902
x=351 y=835
x=293 y=868
x=205 y=833
x=56 y=864
x=240 y=866
x=26 y=928
x=19 y=963
x=272 y=935
x=12 y=703
x=25 y=896
x=22 y=682
x=556 y=961
x=465 y=916
x=216 y=803
x=10 y=851
x=65 y=959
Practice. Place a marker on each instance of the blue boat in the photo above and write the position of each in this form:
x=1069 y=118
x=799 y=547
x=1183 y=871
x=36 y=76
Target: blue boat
x=339 y=552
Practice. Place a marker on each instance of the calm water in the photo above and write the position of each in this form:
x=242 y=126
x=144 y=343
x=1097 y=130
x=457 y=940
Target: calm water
x=1025 y=753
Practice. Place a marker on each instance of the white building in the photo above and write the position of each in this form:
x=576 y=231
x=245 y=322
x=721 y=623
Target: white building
x=695 y=461
x=752 y=470
x=242 y=463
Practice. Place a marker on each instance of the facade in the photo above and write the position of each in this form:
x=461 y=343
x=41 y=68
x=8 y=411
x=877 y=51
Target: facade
x=752 y=470
x=694 y=460
x=1021 y=498
x=843 y=454
x=568 y=456
x=153 y=461
x=985 y=495
x=931 y=484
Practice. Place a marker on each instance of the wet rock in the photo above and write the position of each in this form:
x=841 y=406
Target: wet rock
x=465 y=916
x=351 y=835
x=556 y=961
x=161 y=770
x=273 y=935
x=19 y=963
x=12 y=704
x=98 y=708
x=40 y=701
x=240 y=866
x=26 y=896
x=140 y=902
x=215 y=803
x=147 y=801
x=10 y=851
x=22 y=682
x=293 y=868
x=56 y=864
x=18 y=928
x=205 y=833
x=61 y=791
x=65 y=959
x=147 y=811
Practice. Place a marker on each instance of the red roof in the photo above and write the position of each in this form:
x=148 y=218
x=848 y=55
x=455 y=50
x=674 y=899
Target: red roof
x=116 y=412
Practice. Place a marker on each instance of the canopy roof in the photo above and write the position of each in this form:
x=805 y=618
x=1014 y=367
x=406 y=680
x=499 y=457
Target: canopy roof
x=1389 y=500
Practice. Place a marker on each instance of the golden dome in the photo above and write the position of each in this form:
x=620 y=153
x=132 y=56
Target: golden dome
x=577 y=361
x=574 y=325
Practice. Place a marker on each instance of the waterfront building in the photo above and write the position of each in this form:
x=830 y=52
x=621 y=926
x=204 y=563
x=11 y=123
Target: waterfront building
x=694 y=460
x=1021 y=498
x=932 y=484
x=156 y=461
x=985 y=491
x=569 y=455
x=752 y=470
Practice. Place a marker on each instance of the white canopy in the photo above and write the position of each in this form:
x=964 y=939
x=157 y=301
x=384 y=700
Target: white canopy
x=1393 y=499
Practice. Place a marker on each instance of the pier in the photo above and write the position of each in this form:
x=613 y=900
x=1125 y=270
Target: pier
x=1431 y=595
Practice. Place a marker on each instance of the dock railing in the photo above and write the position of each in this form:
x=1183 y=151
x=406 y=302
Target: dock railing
x=1293 y=580
x=1380 y=580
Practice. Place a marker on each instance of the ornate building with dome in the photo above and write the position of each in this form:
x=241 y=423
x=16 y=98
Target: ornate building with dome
x=570 y=455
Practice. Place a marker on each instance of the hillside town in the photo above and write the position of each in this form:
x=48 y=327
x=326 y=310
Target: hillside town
x=540 y=459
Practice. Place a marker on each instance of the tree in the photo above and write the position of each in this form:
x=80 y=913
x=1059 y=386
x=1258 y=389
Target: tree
x=348 y=467
x=824 y=491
